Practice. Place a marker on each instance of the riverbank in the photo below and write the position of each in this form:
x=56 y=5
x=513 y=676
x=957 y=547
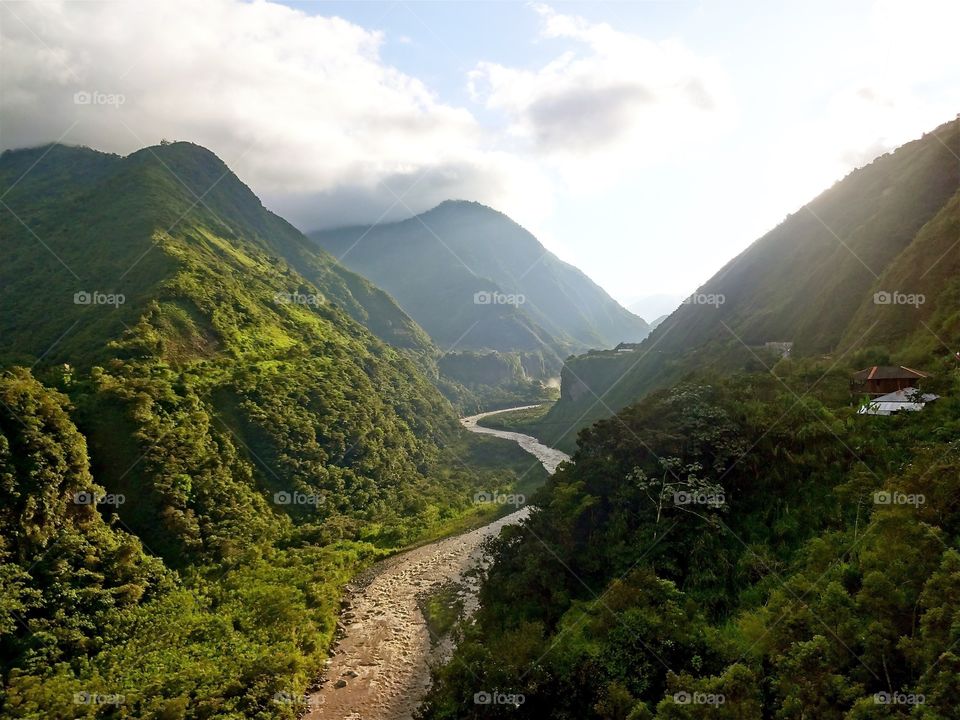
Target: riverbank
x=380 y=667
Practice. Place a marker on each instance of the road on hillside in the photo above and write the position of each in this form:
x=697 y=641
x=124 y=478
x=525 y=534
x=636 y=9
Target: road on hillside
x=380 y=668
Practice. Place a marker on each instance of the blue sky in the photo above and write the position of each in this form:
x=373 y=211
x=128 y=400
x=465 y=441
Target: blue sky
x=645 y=142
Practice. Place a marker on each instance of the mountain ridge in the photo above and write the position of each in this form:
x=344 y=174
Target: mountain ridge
x=557 y=308
x=857 y=237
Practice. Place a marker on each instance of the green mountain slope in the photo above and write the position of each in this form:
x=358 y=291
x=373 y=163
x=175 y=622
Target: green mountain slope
x=114 y=225
x=198 y=366
x=436 y=263
x=891 y=226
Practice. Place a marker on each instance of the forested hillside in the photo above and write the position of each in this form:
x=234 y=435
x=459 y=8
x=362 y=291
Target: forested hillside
x=737 y=548
x=199 y=440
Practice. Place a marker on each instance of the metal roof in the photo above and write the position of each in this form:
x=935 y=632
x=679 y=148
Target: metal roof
x=889 y=372
x=909 y=400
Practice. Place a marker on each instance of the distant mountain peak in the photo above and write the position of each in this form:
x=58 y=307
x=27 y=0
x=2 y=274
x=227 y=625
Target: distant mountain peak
x=437 y=265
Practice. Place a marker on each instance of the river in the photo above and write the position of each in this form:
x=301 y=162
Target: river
x=380 y=668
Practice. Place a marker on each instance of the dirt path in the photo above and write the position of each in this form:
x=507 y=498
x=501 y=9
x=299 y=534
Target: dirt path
x=380 y=668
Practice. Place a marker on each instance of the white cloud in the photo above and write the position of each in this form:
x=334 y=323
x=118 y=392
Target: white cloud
x=617 y=101
x=301 y=107
x=616 y=138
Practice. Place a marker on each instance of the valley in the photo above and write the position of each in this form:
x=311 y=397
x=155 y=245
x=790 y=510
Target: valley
x=475 y=360
x=380 y=668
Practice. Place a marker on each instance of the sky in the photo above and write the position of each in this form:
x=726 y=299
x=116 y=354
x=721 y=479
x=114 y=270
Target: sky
x=645 y=142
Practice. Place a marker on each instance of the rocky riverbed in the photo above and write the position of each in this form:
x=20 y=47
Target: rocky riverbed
x=380 y=668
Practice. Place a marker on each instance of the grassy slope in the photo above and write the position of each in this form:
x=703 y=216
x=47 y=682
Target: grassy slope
x=100 y=213
x=518 y=420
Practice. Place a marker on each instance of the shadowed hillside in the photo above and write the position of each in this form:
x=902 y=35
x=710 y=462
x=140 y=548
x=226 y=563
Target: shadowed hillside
x=836 y=276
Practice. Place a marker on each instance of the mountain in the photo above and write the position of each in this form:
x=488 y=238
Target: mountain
x=204 y=434
x=107 y=224
x=655 y=306
x=163 y=284
x=873 y=262
x=165 y=287
x=477 y=281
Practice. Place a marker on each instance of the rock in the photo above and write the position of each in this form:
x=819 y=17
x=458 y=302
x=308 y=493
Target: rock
x=340 y=684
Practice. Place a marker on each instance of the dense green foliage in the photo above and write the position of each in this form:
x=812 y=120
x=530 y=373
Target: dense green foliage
x=787 y=585
x=890 y=227
x=436 y=262
x=249 y=443
x=497 y=379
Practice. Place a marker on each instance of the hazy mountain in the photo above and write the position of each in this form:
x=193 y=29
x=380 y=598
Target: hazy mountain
x=656 y=323
x=475 y=280
x=873 y=261
x=655 y=306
